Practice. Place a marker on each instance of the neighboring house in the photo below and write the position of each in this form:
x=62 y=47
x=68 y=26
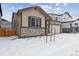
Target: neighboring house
x=67 y=26
x=61 y=18
x=55 y=24
x=30 y=21
x=5 y=24
x=70 y=26
x=66 y=17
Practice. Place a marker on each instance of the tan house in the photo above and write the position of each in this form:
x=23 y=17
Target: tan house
x=33 y=21
x=30 y=22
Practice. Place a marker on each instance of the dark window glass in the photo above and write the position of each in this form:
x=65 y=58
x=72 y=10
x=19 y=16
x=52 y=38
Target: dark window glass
x=29 y=18
x=75 y=23
x=56 y=18
x=38 y=22
x=76 y=28
x=71 y=25
x=33 y=21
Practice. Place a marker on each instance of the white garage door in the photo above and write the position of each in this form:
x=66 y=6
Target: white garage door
x=55 y=29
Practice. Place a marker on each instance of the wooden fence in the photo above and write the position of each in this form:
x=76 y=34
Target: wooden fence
x=7 y=32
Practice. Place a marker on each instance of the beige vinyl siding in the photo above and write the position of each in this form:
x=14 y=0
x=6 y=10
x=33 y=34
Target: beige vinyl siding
x=18 y=24
x=31 y=12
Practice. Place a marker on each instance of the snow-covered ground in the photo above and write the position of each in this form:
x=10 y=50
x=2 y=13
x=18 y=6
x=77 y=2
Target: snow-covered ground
x=65 y=44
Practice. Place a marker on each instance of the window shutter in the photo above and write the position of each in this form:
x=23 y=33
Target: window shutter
x=40 y=22
x=29 y=21
x=33 y=21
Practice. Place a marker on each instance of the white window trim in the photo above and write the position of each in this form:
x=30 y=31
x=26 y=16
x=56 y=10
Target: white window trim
x=35 y=22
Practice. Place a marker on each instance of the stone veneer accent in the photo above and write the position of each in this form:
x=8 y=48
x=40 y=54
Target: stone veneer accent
x=25 y=32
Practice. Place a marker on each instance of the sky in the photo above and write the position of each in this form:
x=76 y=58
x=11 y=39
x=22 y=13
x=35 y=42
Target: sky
x=55 y=8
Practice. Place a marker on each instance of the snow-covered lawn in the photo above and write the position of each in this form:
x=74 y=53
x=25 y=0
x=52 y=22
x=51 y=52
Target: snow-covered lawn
x=65 y=44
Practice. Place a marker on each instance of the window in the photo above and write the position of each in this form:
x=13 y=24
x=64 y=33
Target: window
x=65 y=18
x=71 y=25
x=56 y=18
x=38 y=22
x=76 y=28
x=34 y=21
x=76 y=24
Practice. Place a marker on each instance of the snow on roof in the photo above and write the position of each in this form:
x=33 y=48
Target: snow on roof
x=70 y=20
x=61 y=14
x=51 y=15
x=4 y=20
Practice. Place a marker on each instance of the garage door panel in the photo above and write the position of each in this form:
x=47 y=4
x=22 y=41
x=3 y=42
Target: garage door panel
x=55 y=29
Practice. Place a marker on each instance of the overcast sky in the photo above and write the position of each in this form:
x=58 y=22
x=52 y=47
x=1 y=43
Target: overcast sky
x=57 y=8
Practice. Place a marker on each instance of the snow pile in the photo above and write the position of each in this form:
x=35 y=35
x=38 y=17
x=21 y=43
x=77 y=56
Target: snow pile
x=65 y=44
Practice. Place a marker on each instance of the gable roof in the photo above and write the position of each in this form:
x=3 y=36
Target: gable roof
x=61 y=14
x=0 y=10
x=38 y=8
x=68 y=14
